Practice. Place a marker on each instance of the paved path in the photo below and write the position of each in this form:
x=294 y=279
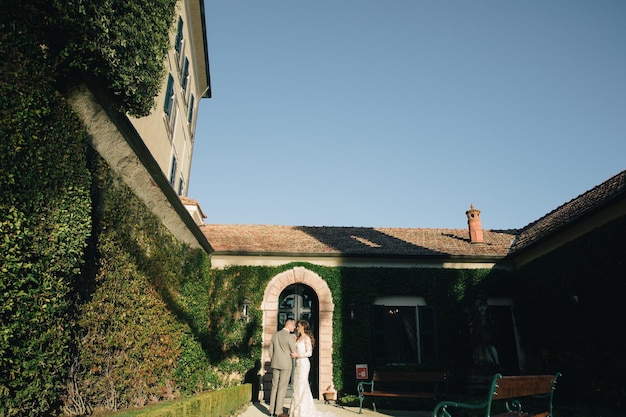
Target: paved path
x=260 y=409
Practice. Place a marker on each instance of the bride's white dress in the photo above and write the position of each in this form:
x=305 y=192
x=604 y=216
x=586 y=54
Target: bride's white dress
x=302 y=404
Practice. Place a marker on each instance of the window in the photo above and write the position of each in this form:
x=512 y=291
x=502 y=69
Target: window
x=169 y=106
x=181 y=185
x=503 y=334
x=173 y=171
x=184 y=76
x=403 y=331
x=180 y=40
x=169 y=95
x=191 y=105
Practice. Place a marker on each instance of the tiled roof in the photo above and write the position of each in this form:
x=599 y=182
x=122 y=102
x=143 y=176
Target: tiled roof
x=354 y=241
x=191 y=202
x=187 y=200
x=573 y=210
x=372 y=241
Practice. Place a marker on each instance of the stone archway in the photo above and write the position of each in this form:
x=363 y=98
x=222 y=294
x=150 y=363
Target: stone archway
x=300 y=275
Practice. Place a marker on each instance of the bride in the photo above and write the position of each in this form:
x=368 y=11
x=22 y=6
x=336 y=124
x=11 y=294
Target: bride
x=302 y=404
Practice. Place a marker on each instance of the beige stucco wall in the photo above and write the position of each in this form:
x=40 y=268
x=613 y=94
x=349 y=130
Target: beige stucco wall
x=110 y=143
x=153 y=128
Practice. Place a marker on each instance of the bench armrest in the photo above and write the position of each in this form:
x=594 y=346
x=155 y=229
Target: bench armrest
x=441 y=409
x=361 y=387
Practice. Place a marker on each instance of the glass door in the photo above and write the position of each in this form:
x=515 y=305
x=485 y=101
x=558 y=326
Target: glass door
x=299 y=302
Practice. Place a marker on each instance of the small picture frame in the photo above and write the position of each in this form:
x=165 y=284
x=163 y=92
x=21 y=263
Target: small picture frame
x=362 y=371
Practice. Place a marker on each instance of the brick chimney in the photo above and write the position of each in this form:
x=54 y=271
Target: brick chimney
x=475 y=228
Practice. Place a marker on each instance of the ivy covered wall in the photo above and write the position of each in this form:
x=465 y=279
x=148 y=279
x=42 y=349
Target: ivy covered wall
x=44 y=223
x=571 y=312
x=450 y=292
x=92 y=307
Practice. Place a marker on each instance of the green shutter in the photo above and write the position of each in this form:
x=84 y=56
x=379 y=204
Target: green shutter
x=179 y=35
x=169 y=92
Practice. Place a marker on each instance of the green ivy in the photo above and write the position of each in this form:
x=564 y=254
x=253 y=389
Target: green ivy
x=45 y=211
x=121 y=43
x=234 y=346
x=135 y=340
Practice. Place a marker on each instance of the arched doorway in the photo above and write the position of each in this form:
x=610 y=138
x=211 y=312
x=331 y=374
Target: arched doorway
x=299 y=302
x=302 y=292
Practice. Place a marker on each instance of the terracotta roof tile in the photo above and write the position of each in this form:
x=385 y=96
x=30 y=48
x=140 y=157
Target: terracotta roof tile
x=573 y=210
x=191 y=202
x=368 y=241
x=187 y=200
x=354 y=240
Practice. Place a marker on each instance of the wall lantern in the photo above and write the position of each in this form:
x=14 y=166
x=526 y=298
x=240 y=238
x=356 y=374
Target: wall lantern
x=572 y=290
x=244 y=309
x=352 y=308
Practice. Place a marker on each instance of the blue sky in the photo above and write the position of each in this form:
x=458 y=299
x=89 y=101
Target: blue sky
x=402 y=113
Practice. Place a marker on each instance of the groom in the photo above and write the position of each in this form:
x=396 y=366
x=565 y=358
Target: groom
x=282 y=345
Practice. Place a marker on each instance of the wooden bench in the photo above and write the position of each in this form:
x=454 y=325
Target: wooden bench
x=418 y=384
x=505 y=395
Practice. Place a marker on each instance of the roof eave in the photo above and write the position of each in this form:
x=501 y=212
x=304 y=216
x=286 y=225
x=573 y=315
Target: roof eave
x=310 y=255
x=605 y=205
x=205 y=45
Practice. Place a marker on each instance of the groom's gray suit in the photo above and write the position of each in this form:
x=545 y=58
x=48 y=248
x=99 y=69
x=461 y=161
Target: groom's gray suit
x=281 y=346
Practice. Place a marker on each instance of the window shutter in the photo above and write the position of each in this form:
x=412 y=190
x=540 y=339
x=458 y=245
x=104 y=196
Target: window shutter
x=173 y=171
x=179 y=36
x=185 y=74
x=427 y=335
x=378 y=334
x=169 y=92
x=191 y=105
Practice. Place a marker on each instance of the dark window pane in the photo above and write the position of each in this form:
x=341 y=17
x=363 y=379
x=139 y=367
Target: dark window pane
x=428 y=335
x=179 y=36
x=503 y=337
x=378 y=333
x=394 y=334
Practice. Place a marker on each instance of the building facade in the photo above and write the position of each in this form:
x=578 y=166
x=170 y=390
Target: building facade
x=402 y=320
x=169 y=131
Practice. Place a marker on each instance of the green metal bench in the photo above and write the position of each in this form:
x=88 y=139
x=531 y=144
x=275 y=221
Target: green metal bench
x=511 y=390
x=403 y=384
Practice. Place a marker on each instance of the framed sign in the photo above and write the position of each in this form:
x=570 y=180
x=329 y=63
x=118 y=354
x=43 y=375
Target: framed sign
x=361 y=371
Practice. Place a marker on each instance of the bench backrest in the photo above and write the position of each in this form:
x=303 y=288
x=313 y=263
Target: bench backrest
x=522 y=386
x=517 y=387
x=403 y=376
x=433 y=382
x=536 y=390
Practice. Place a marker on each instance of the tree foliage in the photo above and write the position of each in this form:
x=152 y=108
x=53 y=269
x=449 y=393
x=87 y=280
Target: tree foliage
x=123 y=44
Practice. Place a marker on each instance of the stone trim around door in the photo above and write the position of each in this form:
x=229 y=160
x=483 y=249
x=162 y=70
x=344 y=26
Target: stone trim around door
x=300 y=275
